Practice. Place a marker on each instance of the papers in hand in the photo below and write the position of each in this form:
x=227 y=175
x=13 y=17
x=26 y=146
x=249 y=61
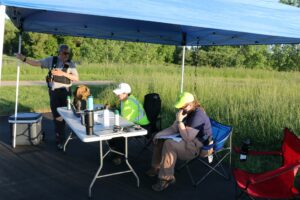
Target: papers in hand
x=176 y=137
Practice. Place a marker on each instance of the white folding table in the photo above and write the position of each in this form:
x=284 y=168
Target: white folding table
x=101 y=134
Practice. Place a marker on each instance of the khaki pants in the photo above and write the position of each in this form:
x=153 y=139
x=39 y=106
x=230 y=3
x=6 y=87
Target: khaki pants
x=166 y=152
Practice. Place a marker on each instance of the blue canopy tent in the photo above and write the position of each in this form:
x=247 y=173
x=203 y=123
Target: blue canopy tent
x=172 y=22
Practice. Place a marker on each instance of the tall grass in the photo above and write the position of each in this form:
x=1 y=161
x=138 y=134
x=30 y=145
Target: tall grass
x=257 y=103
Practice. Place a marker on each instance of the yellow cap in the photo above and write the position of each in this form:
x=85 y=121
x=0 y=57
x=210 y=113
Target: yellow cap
x=183 y=99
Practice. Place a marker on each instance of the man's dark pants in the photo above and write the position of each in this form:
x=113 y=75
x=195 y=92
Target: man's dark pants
x=58 y=98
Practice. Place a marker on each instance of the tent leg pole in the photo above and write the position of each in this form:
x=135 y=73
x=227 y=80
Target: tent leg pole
x=182 y=69
x=17 y=94
x=2 y=27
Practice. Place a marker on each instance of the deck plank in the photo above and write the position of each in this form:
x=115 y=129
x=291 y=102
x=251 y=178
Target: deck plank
x=43 y=173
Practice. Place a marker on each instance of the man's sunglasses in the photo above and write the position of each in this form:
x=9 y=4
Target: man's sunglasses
x=66 y=53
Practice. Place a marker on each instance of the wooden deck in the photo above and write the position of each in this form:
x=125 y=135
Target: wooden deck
x=43 y=173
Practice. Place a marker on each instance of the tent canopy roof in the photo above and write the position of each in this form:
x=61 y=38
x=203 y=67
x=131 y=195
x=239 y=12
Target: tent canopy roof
x=173 y=22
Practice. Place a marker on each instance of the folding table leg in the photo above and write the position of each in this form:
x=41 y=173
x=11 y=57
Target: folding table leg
x=126 y=160
x=98 y=171
x=116 y=173
x=67 y=141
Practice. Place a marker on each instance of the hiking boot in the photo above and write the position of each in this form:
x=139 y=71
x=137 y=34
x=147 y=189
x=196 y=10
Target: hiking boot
x=117 y=161
x=163 y=184
x=60 y=147
x=152 y=172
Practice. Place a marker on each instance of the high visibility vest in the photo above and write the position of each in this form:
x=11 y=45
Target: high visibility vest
x=132 y=110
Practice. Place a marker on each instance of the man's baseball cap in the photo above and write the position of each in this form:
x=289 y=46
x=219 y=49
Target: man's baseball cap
x=122 y=88
x=183 y=99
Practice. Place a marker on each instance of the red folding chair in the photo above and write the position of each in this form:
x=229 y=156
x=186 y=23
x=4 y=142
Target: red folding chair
x=274 y=184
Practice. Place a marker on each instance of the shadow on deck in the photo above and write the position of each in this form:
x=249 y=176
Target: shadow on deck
x=43 y=173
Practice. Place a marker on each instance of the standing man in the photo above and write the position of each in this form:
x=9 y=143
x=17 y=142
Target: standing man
x=62 y=72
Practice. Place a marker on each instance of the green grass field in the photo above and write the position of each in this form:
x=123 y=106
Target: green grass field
x=257 y=103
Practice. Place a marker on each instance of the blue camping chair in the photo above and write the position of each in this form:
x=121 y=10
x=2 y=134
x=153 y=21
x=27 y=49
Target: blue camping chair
x=213 y=160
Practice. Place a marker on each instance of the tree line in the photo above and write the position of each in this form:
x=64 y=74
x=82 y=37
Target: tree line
x=291 y=2
x=87 y=50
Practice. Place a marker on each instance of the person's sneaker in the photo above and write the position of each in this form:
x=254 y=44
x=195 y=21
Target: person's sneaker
x=163 y=184
x=60 y=147
x=117 y=161
x=152 y=172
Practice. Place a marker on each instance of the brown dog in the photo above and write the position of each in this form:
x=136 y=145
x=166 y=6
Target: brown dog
x=81 y=94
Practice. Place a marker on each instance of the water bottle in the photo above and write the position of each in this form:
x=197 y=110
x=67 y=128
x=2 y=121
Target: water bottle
x=106 y=117
x=244 y=150
x=117 y=118
x=90 y=103
x=68 y=102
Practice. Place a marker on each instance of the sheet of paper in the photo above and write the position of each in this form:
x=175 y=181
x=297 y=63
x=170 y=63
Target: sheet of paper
x=176 y=137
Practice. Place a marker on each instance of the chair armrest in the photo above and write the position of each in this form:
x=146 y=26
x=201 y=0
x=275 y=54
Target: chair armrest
x=258 y=153
x=274 y=173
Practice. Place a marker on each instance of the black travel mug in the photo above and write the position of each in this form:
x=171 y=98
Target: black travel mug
x=89 y=121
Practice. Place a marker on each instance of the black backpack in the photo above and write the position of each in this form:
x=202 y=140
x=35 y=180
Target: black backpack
x=152 y=106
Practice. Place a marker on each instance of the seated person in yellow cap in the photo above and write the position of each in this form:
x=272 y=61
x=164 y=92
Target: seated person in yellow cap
x=132 y=110
x=192 y=124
